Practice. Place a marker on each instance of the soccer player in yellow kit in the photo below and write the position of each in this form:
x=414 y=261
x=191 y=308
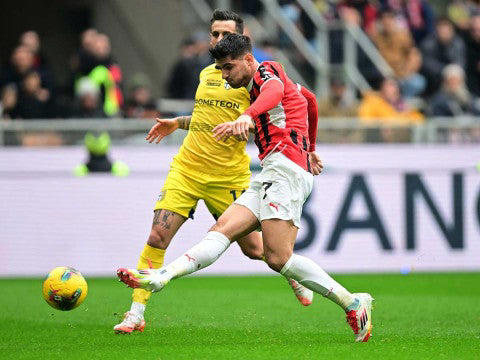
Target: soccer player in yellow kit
x=215 y=172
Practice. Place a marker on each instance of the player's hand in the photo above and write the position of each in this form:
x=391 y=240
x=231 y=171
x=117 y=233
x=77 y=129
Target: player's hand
x=315 y=163
x=223 y=131
x=162 y=128
x=241 y=127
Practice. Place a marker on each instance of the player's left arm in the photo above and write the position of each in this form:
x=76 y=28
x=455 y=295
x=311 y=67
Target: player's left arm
x=271 y=93
x=312 y=109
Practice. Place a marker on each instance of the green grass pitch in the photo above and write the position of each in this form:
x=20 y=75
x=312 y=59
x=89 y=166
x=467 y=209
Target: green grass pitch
x=416 y=316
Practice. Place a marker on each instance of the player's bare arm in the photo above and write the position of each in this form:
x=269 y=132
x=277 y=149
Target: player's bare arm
x=165 y=127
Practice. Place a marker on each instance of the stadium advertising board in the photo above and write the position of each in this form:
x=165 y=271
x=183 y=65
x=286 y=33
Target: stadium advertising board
x=375 y=208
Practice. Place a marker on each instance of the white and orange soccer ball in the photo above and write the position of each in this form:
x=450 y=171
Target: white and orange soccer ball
x=64 y=288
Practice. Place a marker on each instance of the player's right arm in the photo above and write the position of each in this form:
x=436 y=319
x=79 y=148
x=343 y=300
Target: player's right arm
x=270 y=95
x=164 y=127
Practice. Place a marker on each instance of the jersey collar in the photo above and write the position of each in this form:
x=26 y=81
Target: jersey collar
x=250 y=84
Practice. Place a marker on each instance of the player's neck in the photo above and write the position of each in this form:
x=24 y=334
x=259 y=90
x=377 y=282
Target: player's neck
x=254 y=68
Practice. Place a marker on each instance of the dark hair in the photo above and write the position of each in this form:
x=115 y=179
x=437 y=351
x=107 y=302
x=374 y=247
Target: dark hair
x=226 y=15
x=386 y=12
x=443 y=20
x=233 y=45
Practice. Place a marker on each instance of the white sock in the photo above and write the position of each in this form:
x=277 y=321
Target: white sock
x=205 y=253
x=312 y=276
x=138 y=309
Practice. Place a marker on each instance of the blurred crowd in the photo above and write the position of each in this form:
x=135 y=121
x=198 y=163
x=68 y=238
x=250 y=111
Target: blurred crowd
x=429 y=53
x=96 y=90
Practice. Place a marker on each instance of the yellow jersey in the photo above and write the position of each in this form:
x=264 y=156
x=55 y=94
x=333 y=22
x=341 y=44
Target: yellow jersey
x=203 y=158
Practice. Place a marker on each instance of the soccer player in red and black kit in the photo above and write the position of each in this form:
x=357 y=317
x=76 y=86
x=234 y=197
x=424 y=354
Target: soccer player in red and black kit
x=274 y=200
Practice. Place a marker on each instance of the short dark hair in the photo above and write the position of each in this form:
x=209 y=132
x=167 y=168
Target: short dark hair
x=226 y=15
x=233 y=45
x=386 y=12
x=443 y=20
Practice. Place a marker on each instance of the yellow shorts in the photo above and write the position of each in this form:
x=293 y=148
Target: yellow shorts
x=180 y=194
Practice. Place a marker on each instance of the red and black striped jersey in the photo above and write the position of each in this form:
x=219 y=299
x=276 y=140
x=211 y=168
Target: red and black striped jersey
x=279 y=111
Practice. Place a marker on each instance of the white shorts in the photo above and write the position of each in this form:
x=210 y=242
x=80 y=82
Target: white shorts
x=279 y=191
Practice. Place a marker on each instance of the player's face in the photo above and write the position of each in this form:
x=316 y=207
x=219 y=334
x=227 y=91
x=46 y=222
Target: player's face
x=236 y=71
x=219 y=29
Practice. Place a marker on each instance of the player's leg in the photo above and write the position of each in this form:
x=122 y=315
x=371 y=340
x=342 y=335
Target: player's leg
x=278 y=240
x=217 y=199
x=165 y=225
x=171 y=211
x=281 y=201
x=235 y=222
x=252 y=244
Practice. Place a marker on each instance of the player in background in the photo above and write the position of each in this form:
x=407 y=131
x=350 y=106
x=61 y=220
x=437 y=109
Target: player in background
x=274 y=200
x=203 y=169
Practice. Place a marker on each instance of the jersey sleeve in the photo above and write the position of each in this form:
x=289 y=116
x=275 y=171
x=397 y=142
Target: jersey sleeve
x=265 y=74
x=271 y=94
x=270 y=87
x=312 y=109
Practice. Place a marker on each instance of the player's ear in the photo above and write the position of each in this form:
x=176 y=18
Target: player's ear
x=249 y=58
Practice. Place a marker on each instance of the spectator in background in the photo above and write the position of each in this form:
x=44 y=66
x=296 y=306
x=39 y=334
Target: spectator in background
x=31 y=40
x=388 y=110
x=84 y=61
x=337 y=103
x=397 y=47
x=453 y=99
x=108 y=74
x=8 y=102
x=440 y=49
x=415 y=15
x=95 y=61
x=387 y=107
x=185 y=73
x=22 y=61
x=263 y=50
x=87 y=102
x=459 y=13
x=88 y=39
x=33 y=100
x=473 y=55
x=367 y=9
x=140 y=103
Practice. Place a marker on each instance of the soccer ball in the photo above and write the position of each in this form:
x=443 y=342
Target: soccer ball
x=64 y=288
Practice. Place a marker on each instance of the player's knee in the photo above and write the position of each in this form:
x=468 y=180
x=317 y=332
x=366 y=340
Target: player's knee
x=158 y=239
x=276 y=261
x=220 y=226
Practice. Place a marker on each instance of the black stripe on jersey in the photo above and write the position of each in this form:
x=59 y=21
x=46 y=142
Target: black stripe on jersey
x=264 y=124
x=304 y=140
x=275 y=71
x=257 y=142
x=255 y=86
x=264 y=75
x=293 y=136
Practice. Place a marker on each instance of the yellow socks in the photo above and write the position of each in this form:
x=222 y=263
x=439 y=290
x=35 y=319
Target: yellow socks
x=150 y=258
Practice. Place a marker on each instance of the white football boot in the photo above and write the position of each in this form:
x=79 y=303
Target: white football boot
x=304 y=295
x=359 y=316
x=129 y=324
x=149 y=279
